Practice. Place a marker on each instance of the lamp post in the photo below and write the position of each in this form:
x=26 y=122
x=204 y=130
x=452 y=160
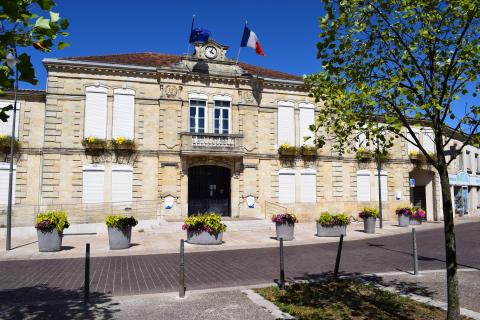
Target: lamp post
x=12 y=63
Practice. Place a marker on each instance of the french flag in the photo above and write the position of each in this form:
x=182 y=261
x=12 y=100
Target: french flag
x=249 y=39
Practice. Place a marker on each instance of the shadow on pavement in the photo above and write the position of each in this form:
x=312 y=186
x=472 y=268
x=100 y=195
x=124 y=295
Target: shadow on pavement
x=42 y=302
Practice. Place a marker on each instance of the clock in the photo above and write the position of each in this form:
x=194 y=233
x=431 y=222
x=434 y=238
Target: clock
x=211 y=52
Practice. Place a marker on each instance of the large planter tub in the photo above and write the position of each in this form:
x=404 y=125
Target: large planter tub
x=285 y=231
x=369 y=224
x=204 y=237
x=119 y=238
x=331 y=231
x=49 y=241
x=414 y=221
x=403 y=220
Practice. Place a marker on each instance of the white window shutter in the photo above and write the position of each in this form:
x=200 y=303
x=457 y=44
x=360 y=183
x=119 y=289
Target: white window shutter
x=93 y=184
x=308 y=186
x=384 y=185
x=6 y=127
x=123 y=113
x=363 y=185
x=428 y=141
x=307 y=118
x=285 y=125
x=4 y=177
x=411 y=147
x=286 y=187
x=122 y=183
x=96 y=113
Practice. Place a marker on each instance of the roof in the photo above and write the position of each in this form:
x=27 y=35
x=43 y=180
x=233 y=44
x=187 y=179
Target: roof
x=150 y=59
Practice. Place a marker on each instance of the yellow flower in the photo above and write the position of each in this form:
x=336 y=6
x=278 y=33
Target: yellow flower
x=91 y=139
x=120 y=140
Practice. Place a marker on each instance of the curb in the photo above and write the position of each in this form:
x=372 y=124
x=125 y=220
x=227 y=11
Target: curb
x=269 y=306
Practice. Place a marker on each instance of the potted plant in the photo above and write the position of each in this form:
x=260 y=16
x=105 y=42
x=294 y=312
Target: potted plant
x=403 y=215
x=417 y=216
x=369 y=216
x=329 y=225
x=363 y=154
x=308 y=151
x=284 y=224
x=50 y=226
x=120 y=231
x=286 y=149
x=414 y=155
x=94 y=145
x=204 y=229
x=122 y=144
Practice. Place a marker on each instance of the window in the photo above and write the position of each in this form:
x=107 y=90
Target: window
x=6 y=127
x=383 y=184
x=412 y=147
x=96 y=112
x=476 y=163
x=468 y=161
x=222 y=117
x=93 y=183
x=308 y=185
x=363 y=185
x=197 y=116
x=307 y=118
x=428 y=141
x=460 y=161
x=286 y=186
x=285 y=124
x=122 y=182
x=123 y=113
x=4 y=179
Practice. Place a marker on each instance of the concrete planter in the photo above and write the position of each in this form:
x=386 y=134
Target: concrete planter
x=414 y=221
x=119 y=238
x=331 y=231
x=285 y=231
x=403 y=220
x=369 y=224
x=204 y=237
x=49 y=241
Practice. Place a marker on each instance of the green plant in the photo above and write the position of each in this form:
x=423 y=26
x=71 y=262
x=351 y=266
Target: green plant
x=211 y=223
x=5 y=144
x=47 y=221
x=120 y=222
x=362 y=154
x=415 y=155
x=286 y=149
x=327 y=219
x=308 y=150
x=121 y=143
x=92 y=143
x=288 y=218
x=368 y=212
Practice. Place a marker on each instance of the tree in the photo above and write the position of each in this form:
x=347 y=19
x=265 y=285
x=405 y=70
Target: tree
x=26 y=24
x=401 y=63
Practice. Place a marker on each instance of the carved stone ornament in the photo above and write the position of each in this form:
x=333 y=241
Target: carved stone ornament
x=247 y=97
x=171 y=91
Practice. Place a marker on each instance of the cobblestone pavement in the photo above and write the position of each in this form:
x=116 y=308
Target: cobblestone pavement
x=27 y=280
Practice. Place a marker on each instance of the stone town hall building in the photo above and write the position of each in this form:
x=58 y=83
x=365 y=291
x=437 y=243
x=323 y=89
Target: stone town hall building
x=206 y=133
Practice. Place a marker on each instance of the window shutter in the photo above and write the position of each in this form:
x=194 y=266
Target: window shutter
x=411 y=147
x=363 y=185
x=4 y=176
x=286 y=187
x=122 y=182
x=428 y=141
x=285 y=125
x=96 y=113
x=384 y=185
x=93 y=184
x=308 y=186
x=6 y=127
x=307 y=118
x=123 y=113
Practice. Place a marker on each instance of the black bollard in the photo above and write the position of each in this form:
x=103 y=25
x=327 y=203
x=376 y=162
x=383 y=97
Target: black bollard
x=415 y=254
x=282 y=268
x=181 y=280
x=339 y=255
x=86 y=292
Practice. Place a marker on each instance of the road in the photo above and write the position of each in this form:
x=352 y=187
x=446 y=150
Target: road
x=28 y=280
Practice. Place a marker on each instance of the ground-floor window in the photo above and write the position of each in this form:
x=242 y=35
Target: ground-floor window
x=93 y=183
x=286 y=186
x=384 y=186
x=363 y=185
x=308 y=186
x=4 y=179
x=122 y=183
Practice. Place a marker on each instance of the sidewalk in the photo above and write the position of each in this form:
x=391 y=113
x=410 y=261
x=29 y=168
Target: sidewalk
x=165 y=238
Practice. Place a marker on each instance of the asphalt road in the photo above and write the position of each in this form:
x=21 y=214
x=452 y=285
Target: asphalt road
x=30 y=280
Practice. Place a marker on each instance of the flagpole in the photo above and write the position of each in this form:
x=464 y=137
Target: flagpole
x=240 y=47
x=188 y=46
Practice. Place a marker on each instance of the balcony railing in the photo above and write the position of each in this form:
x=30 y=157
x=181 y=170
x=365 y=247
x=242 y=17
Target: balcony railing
x=212 y=143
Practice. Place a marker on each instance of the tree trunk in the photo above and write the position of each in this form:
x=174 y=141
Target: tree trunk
x=453 y=312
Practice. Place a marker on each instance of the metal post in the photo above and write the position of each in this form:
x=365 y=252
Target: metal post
x=339 y=255
x=10 y=177
x=379 y=170
x=415 y=254
x=86 y=291
x=282 y=267
x=181 y=278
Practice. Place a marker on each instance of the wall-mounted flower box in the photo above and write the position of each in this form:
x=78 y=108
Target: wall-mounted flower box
x=287 y=150
x=122 y=144
x=308 y=151
x=94 y=145
x=363 y=154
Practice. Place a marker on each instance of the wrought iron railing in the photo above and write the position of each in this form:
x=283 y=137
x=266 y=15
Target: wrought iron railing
x=211 y=142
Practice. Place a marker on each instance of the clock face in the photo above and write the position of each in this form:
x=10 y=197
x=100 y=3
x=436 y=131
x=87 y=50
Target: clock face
x=211 y=52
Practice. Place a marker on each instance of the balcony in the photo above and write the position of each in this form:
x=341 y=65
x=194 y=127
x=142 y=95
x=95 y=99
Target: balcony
x=212 y=144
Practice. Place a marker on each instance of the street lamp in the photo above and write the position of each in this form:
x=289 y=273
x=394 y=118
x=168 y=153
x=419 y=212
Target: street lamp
x=12 y=63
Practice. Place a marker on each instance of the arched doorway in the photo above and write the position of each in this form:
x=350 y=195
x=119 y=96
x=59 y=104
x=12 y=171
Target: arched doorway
x=422 y=193
x=209 y=190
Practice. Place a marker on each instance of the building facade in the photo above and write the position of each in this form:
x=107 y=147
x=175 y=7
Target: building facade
x=207 y=132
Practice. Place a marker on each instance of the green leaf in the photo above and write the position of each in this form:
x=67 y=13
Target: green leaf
x=26 y=70
x=64 y=24
x=63 y=45
x=54 y=17
x=45 y=4
x=42 y=23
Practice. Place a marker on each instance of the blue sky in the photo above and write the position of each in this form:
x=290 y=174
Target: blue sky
x=287 y=29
